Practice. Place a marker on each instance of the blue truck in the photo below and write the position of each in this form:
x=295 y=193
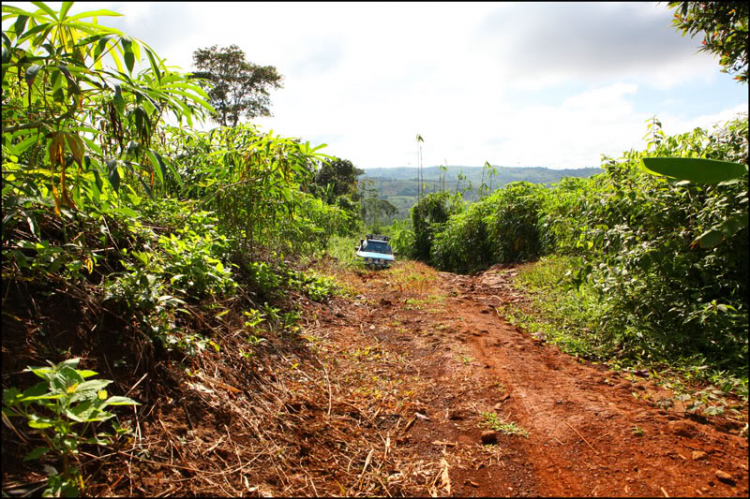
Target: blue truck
x=375 y=250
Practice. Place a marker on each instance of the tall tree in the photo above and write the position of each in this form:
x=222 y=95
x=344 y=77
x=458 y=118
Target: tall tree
x=236 y=87
x=420 y=178
x=724 y=27
x=341 y=174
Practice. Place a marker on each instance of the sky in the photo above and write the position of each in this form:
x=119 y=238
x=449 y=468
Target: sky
x=514 y=84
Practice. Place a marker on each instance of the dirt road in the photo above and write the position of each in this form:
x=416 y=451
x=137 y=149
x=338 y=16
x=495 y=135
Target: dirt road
x=571 y=428
x=413 y=385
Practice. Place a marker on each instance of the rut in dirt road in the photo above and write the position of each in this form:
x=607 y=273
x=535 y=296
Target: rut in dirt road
x=572 y=428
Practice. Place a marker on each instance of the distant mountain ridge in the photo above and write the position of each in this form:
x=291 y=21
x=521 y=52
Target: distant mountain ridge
x=399 y=185
x=530 y=173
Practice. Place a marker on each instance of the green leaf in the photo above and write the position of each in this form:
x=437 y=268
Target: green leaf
x=735 y=223
x=97 y=441
x=113 y=174
x=36 y=453
x=96 y=385
x=31 y=73
x=10 y=395
x=118 y=100
x=95 y=13
x=66 y=377
x=40 y=390
x=119 y=401
x=124 y=210
x=73 y=363
x=42 y=372
x=710 y=238
x=154 y=64
x=704 y=171
x=46 y=9
x=86 y=412
x=146 y=188
x=40 y=424
x=158 y=162
x=127 y=47
x=36 y=29
x=65 y=8
x=20 y=25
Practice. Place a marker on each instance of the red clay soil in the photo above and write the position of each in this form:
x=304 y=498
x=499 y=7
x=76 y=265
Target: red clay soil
x=588 y=434
x=391 y=393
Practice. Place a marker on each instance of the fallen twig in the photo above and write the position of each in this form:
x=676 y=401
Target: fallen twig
x=330 y=393
x=587 y=442
x=136 y=384
x=364 y=468
x=409 y=424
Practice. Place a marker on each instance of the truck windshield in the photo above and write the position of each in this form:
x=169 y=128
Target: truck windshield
x=377 y=247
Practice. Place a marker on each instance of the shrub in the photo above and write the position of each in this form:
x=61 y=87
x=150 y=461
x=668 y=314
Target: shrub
x=61 y=409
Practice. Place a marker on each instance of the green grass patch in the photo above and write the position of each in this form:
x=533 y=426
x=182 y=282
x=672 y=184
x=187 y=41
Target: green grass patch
x=493 y=421
x=575 y=320
x=342 y=248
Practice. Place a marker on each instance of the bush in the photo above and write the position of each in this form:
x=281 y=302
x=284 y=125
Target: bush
x=514 y=222
x=428 y=217
x=464 y=245
x=669 y=289
x=62 y=409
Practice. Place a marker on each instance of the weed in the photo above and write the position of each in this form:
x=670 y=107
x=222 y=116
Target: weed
x=54 y=409
x=493 y=421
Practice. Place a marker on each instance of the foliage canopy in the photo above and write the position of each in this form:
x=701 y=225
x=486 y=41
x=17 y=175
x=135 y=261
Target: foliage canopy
x=235 y=86
x=725 y=31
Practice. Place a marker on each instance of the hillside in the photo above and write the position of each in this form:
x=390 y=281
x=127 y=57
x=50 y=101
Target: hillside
x=506 y=174
x=399 y=185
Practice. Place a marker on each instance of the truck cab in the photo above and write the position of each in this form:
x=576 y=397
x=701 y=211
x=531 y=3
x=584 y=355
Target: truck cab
x=375 y=250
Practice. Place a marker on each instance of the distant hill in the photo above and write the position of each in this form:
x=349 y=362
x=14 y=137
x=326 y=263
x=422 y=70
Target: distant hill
x=399 y=185
x=505 y=174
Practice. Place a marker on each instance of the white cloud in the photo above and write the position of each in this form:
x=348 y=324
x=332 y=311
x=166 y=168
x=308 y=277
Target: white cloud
x=542 y=84
x=545 y=43
x=673 y=125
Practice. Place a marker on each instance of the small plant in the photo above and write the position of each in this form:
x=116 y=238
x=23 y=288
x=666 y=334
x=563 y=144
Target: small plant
x=637 y=431
x=316 y=287
x=493 y=421
x=254 y=317
x=289 y=321
x=264 y=278
x=60 y=410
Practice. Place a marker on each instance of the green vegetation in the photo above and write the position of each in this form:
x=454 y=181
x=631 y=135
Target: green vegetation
x=236 y=88
x=124 y=229
x=374 y=208
x=400 y=187
x=154 y=230
x=724 y=28
x=55 y=408
x=493 y=421
x=656 y=269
